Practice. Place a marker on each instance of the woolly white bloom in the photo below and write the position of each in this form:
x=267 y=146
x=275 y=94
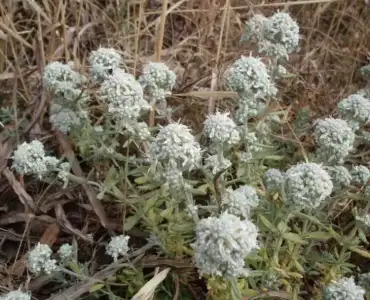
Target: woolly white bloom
x=334 y=138
x=65 y=252
x=307 y=185
x=139 y=129
x=355 y=109
x=217 y=163
x=16 y=295
x=249 y=76
x=364 y=281
x=252 y=141
x=29 y=158
x=240 y=201
x=221 y=130
x=118 y=246
x=245 y=156
x=103 y=62
x=343 y=289
x=175 y=144
x=157 y=80
x=174 y=179
x=254 y=28
x=222 y=244
x=360 y=174
x=249 y=107
x=340 y=176
x=39 y=260
x=65 y=119
x=274 y=179
x=63 y=172
x=124 y=95
x=192 y=211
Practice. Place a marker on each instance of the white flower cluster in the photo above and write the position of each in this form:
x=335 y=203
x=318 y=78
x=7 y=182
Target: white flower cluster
x=239 y=202
x=123 y=95
x=157 y=80
x=68 y=98
x=65 y=252
x=360 y=175
x=118 y=246
x=103 y=62
x=16 y=295
x=39 y=260
x=343 y=289
x=217 y=163
x=222 y=243
x=334 y=138
x=274 y=179
x=30 y=159
x=174 y=144
x=174 y=179
x=307 y=185
x=277 y=36
x=221 y=130
x=139 y=130
x=365 y=72
x=355 y=109
x=340 y=176
x=249 y=107
x=364 y=281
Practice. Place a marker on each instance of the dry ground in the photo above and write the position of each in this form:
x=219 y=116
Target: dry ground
x=197 y=38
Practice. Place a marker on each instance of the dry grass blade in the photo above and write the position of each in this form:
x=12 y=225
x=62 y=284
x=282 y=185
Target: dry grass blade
x=216 y=95
x=39 y=10
x=149 y=288
x=23 y=196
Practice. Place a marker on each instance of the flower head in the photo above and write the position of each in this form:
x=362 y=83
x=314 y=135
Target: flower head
x=217 y=163
x=274 y=179
x=306 y=185
x=340 y=176
x=174 y=144
x=355 y=109
x=334 y=138
x=249 y=77
x=124 y=95
x=343 y=289
x=364 y=281
x=222 y=243
x=103 y=62
x=65 y=252
x=65 y=119
x=360 y=175
x=254 y=28
x=39 y=260
x=118 y=246
x=16 y=295
x=240 y=201
x=221 y=130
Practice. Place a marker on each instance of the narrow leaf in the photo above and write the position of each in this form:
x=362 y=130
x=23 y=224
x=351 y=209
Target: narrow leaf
x=290 y=236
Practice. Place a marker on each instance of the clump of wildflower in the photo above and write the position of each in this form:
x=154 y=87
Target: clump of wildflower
x=124 y=96
x=306 y=185
x=30 y=159
x=365 y=72
x=364 y=281
x=334 y=138
x=252 y=142
x=340 y=176
x=249 y=107
x=254 y=28
x=240 y=201
x=139 y=130
x=118 y=246
x=63 y=172
x=217 y=163
x=103 y=62
x=249 y=77
x=174 y=144
x=65 y=252
x=39 y=260
x=221 y=130
x=64 y=119
x=157 y=80
x=355 y=109
x=274 y=179
x=174 y=179
x=222 y=243
x=360 y=175
x=343 y=289
x=16 y=295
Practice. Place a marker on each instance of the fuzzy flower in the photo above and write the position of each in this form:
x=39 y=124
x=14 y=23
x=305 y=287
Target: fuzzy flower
x=157 y=80
x=221 y=130
x=343 y=289
x=364 y=281
x=65 y=252
x=249 y=107
x=274 y=179
x=174 y=179
x=103 y=62
x=360 y=175
x=249 y=77
x=222 y=243
x=334 y=138
x=118 y=246
x=307 y=185
x=29 y=158
x=39 y=260
x=65 y=119
x=340 y=176
x=16 y=295
x=355 y=109
x=139 y=130
x=174 y=144
x=254 y=28
x=124 y=95
x=217 y=163
x=240 y=201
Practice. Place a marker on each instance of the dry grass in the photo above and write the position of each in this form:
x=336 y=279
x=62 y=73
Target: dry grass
x=196 y=38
